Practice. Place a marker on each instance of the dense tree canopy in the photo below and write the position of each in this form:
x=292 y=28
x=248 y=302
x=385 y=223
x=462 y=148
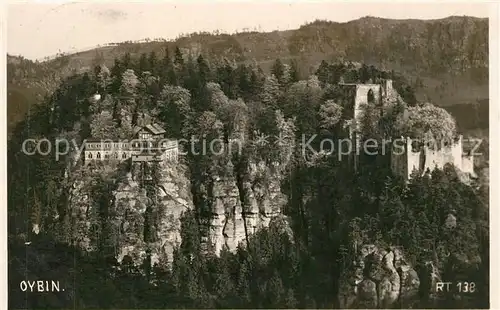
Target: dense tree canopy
x=427 y=122
x=330 y=209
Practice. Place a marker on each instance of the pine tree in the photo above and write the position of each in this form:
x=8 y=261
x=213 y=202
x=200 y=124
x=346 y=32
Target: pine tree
x=103 y=125
x=271 y=92
x=174 y=106
x=153 y=63
x=126 y=61
x=278 y=70
x=244 y=82
x=276 y=293
x=178 y=61
x=103 y=80
x=223 y=286
x=116 y=74
x=203 y=71
x=323 y=72
x=143 y=63
x=294 y=72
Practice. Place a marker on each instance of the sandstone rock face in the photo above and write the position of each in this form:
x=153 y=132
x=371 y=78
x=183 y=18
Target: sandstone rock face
x=134 y=208
x=143 y=218
x=127 y=221
x=82 y=216
x=233 y=220
x=227 y=226
x=167 y=201
x=430 y=276
x=380 y=279
x=174 y=199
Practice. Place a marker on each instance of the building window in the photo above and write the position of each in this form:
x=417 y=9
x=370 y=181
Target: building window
x=90 y=155
x=124 y=155
x=98 y=154
x=106 y=156
x=370 y=97
x=115 y=155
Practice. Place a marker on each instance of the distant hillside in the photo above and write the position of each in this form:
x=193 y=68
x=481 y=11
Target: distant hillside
x=445 y=60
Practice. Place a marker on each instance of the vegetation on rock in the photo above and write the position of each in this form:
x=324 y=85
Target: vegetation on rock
x=329 y=208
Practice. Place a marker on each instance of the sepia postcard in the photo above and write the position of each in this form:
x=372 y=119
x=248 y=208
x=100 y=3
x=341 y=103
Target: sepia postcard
x=277 y=155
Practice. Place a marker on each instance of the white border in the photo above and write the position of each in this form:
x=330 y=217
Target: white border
x=3 y=158
x=494 y=119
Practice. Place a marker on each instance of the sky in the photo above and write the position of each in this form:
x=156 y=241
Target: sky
x=36 y=29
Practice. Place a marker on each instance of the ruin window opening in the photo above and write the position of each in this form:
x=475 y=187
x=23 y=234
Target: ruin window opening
x=422 y=161
x=370 y=97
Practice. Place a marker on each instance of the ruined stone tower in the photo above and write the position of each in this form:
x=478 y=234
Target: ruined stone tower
x=405 y=156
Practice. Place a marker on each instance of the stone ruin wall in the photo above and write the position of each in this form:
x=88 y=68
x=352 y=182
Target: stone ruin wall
x=404 y=164
x=426 y=158
x=362 y=96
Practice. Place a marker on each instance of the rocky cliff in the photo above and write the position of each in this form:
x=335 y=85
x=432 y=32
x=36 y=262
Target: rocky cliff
x=134 y=217
x=241 y=209
x=123 y=209
x=380 y=278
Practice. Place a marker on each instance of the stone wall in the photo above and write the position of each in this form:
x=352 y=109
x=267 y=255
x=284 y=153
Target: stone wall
x=399 y=159
x=354 y=97
x=362 y=97
x=424 y=157
x=468 y=164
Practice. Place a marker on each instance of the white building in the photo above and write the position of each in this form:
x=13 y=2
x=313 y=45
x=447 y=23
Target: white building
x=149 y=144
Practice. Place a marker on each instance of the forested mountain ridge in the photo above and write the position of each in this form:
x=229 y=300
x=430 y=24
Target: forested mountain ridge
x=444 y=60
x=78 y=219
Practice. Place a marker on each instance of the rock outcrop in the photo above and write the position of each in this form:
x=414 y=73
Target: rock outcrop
x=158 y=208
x=135 y=217
x=381 y=278
x=240 y=210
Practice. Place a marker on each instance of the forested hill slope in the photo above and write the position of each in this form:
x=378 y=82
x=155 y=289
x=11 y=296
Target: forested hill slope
x=113 y=240
x=445 y=60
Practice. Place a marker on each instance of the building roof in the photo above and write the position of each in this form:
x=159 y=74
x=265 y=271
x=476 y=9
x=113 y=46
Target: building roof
x=137 y=129
x=154 y=128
